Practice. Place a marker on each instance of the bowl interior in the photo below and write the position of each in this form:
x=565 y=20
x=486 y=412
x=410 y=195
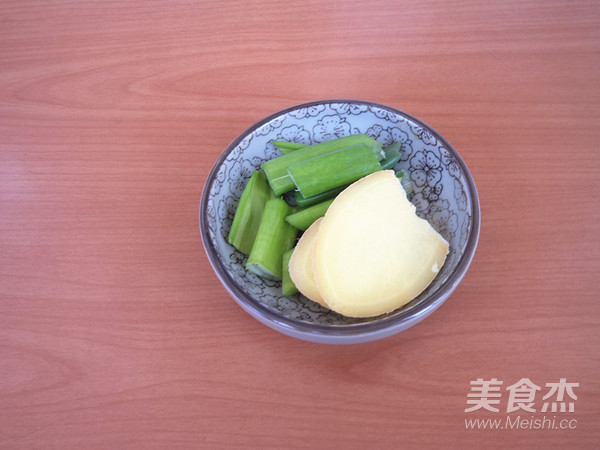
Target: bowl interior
x=442 y=195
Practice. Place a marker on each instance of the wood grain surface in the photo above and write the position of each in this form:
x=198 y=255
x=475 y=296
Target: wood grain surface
x=116 y=333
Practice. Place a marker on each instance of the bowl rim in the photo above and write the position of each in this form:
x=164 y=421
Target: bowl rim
x=295 y=326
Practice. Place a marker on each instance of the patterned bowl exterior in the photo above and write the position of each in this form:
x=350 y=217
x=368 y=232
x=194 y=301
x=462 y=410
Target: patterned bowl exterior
x=444 y=194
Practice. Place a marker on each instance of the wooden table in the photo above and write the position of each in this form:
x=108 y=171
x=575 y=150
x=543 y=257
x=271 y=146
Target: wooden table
x=116 y=333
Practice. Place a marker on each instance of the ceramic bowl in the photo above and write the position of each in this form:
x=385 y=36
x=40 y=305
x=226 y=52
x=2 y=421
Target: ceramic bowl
x=443 y=192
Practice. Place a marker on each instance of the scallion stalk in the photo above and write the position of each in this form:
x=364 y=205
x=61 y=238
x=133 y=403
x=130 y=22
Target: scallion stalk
x=249 y=212
x=287 y=285
x=404 y=178
x=304 y=202
x=305 y=217
x=333 y=169
x=274 y=237
x=392 y=156
x=276 y=169
x=287 y=147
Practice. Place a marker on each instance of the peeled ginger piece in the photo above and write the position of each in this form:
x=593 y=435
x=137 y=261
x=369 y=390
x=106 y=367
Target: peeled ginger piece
x=371 y=253
x=300 y=266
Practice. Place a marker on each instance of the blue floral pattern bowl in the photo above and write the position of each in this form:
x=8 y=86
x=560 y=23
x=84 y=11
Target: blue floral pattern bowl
x=443 y=192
